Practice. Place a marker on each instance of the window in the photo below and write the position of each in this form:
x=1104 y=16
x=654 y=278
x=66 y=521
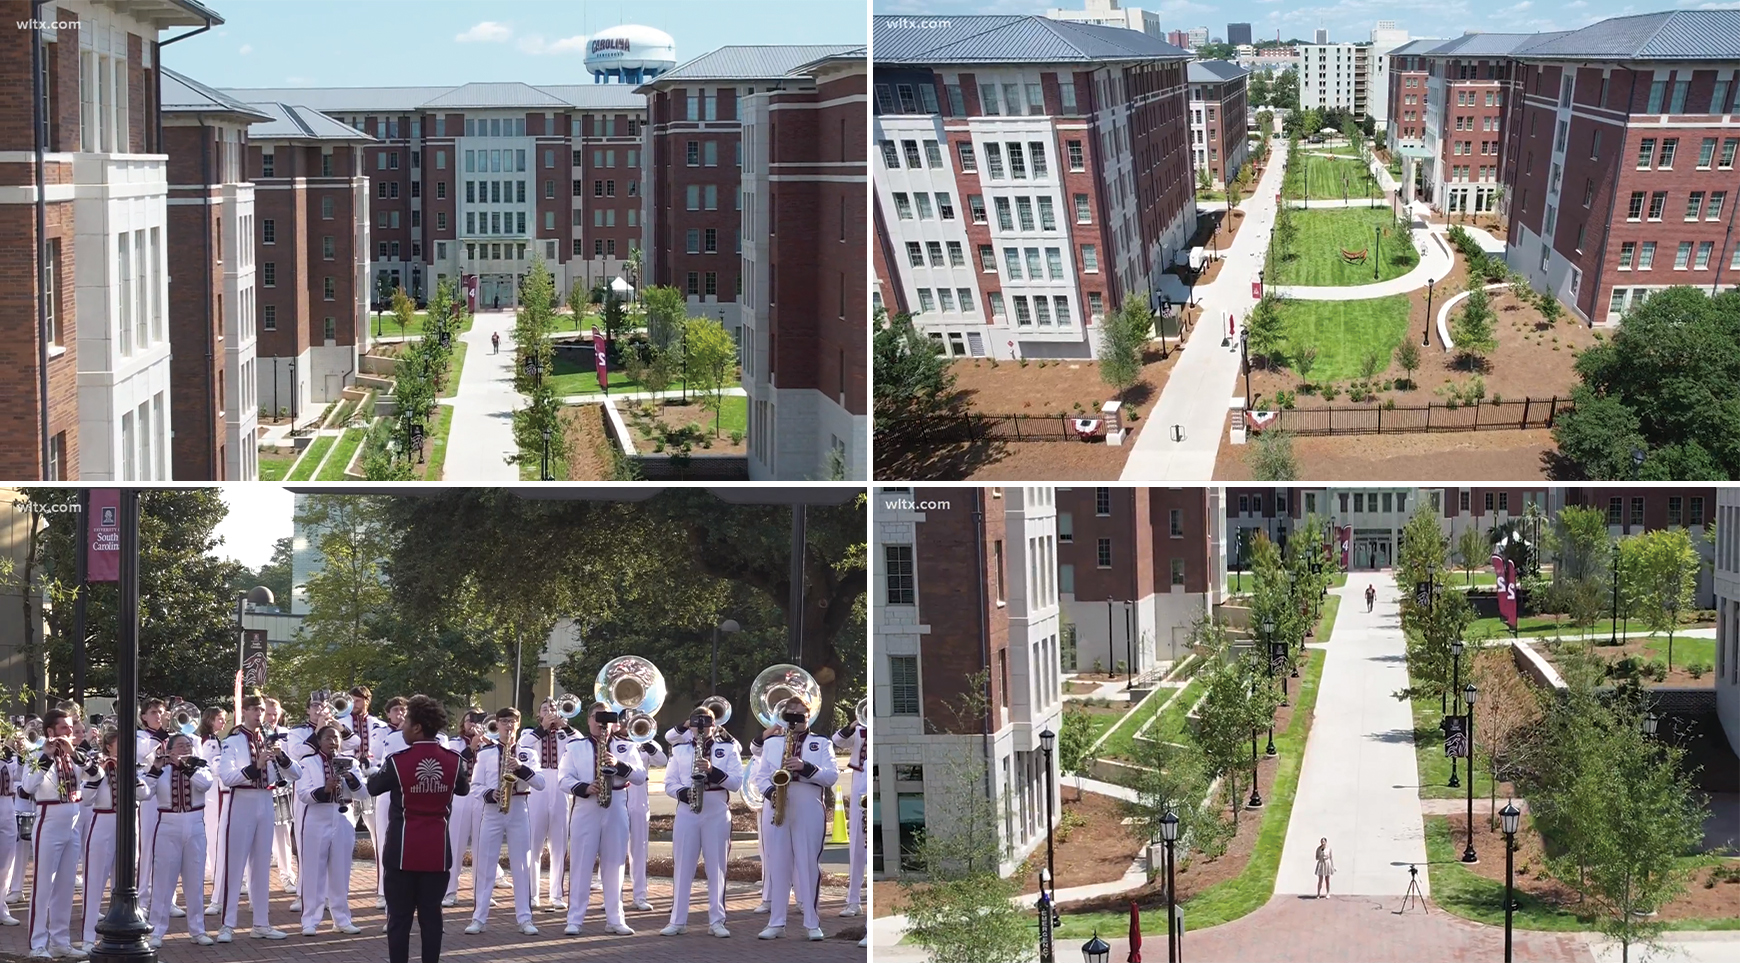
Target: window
x=1036 y=154
x=1024 y=211
x=890 y=156
x=1635 y=210
x=1683 y=256
x=933 y=154
x=269 y=317
x=1702 y=261
x=1637 y=511
x=1075 y=155
x=1054 y=263
x=326 y=208
x=1103 y=553
x=1083 y=214
x=1012 y=262
x=914 y=252
x=925 y=212
x=1176 y=523
x=900 y=583
x=1646 y=256
x=1047 y=217
x=1090 y=259
x=903 y=692
x=969 y=160
x=1645 y=152
x=976 y=205
x=1627 y=253
x=987 y=258
x=1665 y=160
x=269 y=274
x=1657 y=202
x=1615 y=510
x=945 y=207
x=1102 y=502
x=1697 y=516
x=994 y=161
x=1675 y=509
x=1706 y=152
x=934 y=248
x=957 y=258
x=267 y=165
x=1005 y=221
x=328 y=248
x=1728 y=146
x=1017 y=162
x=1694 y=205
x=909 y=147
x=1713 y=210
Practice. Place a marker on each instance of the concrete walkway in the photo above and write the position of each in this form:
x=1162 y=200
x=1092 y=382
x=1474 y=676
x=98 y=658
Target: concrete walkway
x=594 y=397
x=1435 y=262
x=1203 y=382
x=1359 y=784
x=482 y=436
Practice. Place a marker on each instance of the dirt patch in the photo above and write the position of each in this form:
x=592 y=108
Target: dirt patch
x=589 y=443
x=1079 y=688
x=1407 y=457
x=1698 y=902
x=666 y=427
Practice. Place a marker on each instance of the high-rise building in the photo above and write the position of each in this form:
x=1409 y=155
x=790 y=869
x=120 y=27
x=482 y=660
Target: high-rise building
x=1405 y=98
x=1238 y=33
x=1335 y=76
x=1010 y=212
x=1197 y=36
x=1320 y=36
x=1179 y=39
x=1110 y=13
x=1385 y=37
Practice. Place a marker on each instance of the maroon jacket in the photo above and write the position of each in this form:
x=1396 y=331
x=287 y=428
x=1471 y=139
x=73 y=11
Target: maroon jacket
x=422 y=779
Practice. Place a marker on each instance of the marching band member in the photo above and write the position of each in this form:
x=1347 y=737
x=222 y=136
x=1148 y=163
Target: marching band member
x=181 y=784
x=52 y=783
x=392 y=734
x=10 y=760
x=761 y=817
x=466 y=823
x=504 y=767
x=300 y=745
x=707 y=832
x=549 y=805
x=272 y=724
x=212 y=724
x=250 y=766
x=21 y=863
x=639 y=807
x=327 y=786
x=152 y=737
x=854 y=738
x=420 y=782
x=598 y=826
x=99 y=790
x=794 y=836
x=369 y=731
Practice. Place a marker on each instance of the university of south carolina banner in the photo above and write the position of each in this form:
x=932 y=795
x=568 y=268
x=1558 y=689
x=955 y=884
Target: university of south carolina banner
x=103 y=536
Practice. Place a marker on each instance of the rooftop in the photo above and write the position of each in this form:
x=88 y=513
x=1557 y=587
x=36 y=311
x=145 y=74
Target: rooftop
x=994 y=39
x=475 y=95
x=297 y=122
x=1667 y=35
x=769 y=62
x=1483 y=44
x=184 y=94
x=1214 y=71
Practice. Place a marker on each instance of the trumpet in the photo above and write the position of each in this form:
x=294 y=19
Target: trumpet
x=184 y=716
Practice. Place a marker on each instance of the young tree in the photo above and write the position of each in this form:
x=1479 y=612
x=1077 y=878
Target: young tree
x=1170 y=777
x=1549 y=307
x=532 y=326
x=1304 y=359
x=1408 y=357
x=346 y=594
x=1122 y=342
x=404 y=310
x=1472 y=551
x=1265 y=330
x=1507 y=715
x=912 y=382
x=1272 y=457
x=1203 y=181
x=1073 y=739
x=615 y=318
x=666 y=310
x=712 y=363
x=1666 y=579
x=1472 y=331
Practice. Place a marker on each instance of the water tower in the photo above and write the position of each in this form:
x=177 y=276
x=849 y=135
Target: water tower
x=629 y=54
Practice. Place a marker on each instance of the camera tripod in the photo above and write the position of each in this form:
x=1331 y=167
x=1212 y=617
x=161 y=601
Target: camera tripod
x=1414 y=895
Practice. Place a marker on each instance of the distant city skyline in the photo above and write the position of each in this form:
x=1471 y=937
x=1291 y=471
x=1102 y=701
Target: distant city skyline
x=1347 y=20
x=367 y=43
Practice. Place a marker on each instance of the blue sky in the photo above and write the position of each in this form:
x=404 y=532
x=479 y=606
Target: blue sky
x=1346 y=20
x=326 y=43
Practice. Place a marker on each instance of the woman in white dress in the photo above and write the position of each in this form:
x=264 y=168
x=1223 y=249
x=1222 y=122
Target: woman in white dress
x=1325 y=866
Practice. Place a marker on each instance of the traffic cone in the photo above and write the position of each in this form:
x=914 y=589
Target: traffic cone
x=840 y=831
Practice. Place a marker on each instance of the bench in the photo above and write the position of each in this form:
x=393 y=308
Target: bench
x=1353 y=257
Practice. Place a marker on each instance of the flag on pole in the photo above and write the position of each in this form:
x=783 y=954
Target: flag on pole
x=1510 y=594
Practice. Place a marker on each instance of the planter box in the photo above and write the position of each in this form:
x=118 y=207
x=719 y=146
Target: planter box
x=693 y=467
x=376 y=364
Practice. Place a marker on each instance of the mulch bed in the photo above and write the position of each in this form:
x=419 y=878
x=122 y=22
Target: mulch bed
x=1677 y=677
x=1407 y=457
x=1697 y=902
x=677 y=417
x=589 y=443
x=1097 y=850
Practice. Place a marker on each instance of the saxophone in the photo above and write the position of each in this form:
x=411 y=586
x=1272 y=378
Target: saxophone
x=505 y=786
x=603 y=769
x=698 y=772
x=782 y=777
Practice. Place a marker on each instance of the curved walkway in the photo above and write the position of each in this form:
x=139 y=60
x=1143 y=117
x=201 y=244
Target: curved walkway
x=1444 y=315
x=482 y=436
x=1435 y=262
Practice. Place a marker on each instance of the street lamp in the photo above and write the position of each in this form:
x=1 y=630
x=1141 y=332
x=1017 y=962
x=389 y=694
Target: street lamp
x=729 y=627
x=535 y=371
x=1047 y=740
x=1426 y=339
x=1096 y=950
x=1613 y=630
x=1455 y=690
x=1169 y=836
x=1468 y=693
x=1377 y=234
x=1650 y=722
x=544 y=472
x=1245 y=359
x=1046 y=921
x=1256 y=800
x=1508 y=818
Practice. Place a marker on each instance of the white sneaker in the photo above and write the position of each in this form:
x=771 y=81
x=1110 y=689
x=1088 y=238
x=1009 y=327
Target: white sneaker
x=865 y=941
x=558 y=905
x=719 y=930
x=449 y=901
x=7 y=919
x=267 y=933
x=675 y=929
x=380 y=902
x=639 y=904
x=350 y=928
x=474 y=929
x=176 y=911
x=308 y=931
x=852 y=910
x=572 y=929
x=618 y=928
x=41 y=955
x=764 y=907
x=771 y=933
x=815 y=933
x=68 y=952
x=296 y=905
x=225 y=934
x=202 y=939
x=529 y=930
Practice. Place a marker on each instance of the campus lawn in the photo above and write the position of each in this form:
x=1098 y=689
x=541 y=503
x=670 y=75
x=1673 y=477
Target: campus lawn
x=455 y=368
x=1344 y=332
x=348 y=443
x=1325 y=232
x=310 y=460
x=1242 y=583
x=1330 y=605
x=275 y=467
x=1121 y=744
x=572 y=377
x=1548 y=626
x=388 y=325
x=1324 y=177
x=1434 y=766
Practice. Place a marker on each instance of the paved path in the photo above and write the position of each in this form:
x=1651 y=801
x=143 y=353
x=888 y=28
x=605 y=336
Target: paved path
x=482 y=436
x=1197 y=393
x=594 y=397
x=1435 y=262
x=1359 y=783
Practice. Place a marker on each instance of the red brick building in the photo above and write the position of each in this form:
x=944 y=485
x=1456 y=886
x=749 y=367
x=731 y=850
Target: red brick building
x=1408 y=101
x=1623 y=180
x=1470 y=84
x=213 y=305
x=311 y=201
x=85 y=400
x=1217 y=119
x=1031 y=175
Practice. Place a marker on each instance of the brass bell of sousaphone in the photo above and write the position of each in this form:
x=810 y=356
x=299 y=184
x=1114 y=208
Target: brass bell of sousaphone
x=569 y=705
x=630 y=683
x=778 y=683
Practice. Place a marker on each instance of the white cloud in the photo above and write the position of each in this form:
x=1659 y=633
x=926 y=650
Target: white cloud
x=1576 y=4
x=536 y=44
x=1518 y=8
x=487 y=31
x=246 y=49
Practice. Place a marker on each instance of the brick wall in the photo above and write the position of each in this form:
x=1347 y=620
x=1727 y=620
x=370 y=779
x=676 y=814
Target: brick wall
x=195 y=287
x=955 y=601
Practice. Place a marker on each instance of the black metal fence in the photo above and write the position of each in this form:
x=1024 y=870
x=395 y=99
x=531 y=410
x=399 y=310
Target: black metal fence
x=1371 y=419
x=977 y=427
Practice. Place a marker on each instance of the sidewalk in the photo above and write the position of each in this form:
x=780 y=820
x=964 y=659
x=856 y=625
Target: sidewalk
x=1359 y=784
x=1435 y=263
x=1198 y=392
x=482 y=436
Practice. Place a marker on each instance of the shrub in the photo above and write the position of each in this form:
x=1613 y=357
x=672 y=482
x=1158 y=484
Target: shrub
x=1697 y=669
x=1330 y=391
x=1655 y=669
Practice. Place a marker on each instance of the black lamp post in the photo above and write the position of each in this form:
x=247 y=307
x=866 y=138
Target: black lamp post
x=1613 y=633
x=544 y=472
x=1455 y=694
x=1377 y=233
x=1256 y=800
x=1508 y=818
x=1047 y=740
x=535 y=371
x=1169 y=836
x=1096 y=950
x=729 y=627
x=1426 y=339
x=1468 y=693
x=1651 y=722
x=1046 y=920
x=1245 y=359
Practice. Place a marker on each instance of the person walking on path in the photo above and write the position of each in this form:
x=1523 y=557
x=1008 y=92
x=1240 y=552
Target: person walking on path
x=1325 y=866
x=1370 y=596
x=495 y=342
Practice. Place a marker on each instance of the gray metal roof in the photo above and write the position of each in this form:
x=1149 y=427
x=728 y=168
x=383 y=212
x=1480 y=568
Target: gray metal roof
x=342 y=99
x=749 y=62
x=597 y=96
x=512 y=94
x=999 y=39
x=374 y=100
x=182 y=93
x=297 y=122
x=1667 y=35
x=1482 y=45
x=1417 y=46
x=855 y=53
x=1214 y=71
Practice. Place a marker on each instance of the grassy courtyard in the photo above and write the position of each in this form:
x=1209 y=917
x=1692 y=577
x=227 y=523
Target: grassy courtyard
x=1330 y=179
x=1316 y=261
x=1344 y=332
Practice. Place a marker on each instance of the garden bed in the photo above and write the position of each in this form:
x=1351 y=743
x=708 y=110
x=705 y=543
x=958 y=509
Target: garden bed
x=589 y=443
x=1406 y=457
x=1624 y=660
x=1092 y=844
x=669 y=428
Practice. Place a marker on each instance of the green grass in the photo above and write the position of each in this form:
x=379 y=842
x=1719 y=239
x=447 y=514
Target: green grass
x=1325 y=232
x=1172 y=721
x=1240 y=583
x=1434 y=766
x=333 y=469
x=1099 y=723
x=310 y=460
x=388 y=325
x=733 y=415
x=1121 y=744
x=275 y=467
x=533 y=460
x=1462 y=892
x=1344 y=333
x=572 y=377
x=1324 y=175
x=455 y=367
x=1326 y=617
x=438 y=444
x=1228 y=900
x=1545 y=625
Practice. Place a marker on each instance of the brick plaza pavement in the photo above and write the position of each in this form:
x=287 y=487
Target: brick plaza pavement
x=502 y=939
